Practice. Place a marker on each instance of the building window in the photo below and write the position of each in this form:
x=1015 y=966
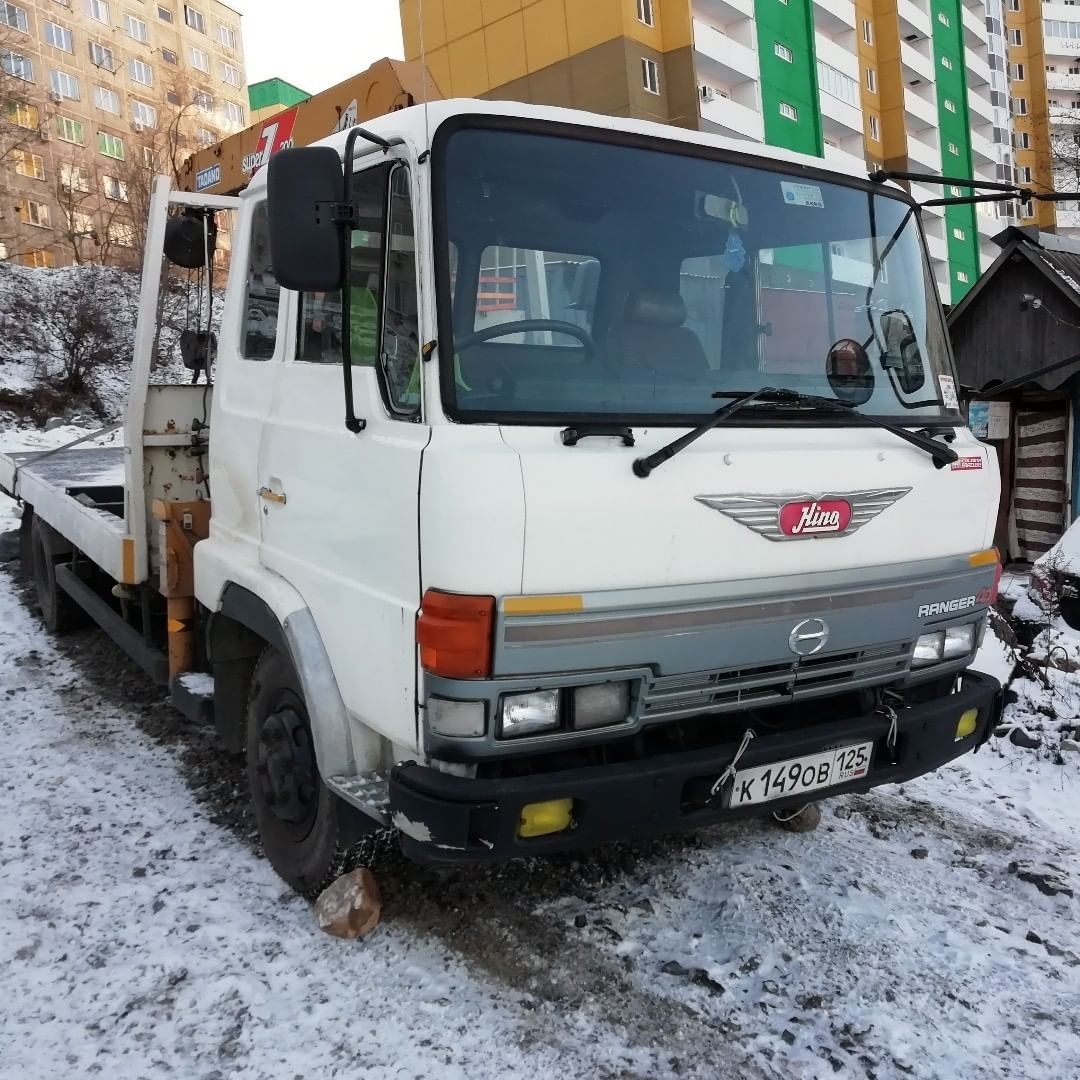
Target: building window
x=121 y=234
x=114 y=188
x=959 y=234
x=954 y=149
x=1027 y=209
x=136 y=28
x=65 y=85
x=1021 y=106
x=1023 y=140
x=871 y=80
x=204 y=137
x=143 y=115
x=1018 y=71
x=59 y=37
x=107 y=100
x=230 y=74
x=79 y=223
x=68 y=130
x=34 y=213
x=961 y=277
x=169 y=56
x=943 y=18
x=783 y=52
x=875 y=128
x=27 y=164
x=98 y=9
x=102 y=56
x=868 y=31
x=150 y=158
x=950 y=105
x=1025 y=174
x=644 y=14
x=1016 y=37
x=1014 y=5
x=164 y=14
x=198 y=59
x=111 y=146
x=233 y=113
x=955 y=192
x=38 y=260
x=74 y=178
x=141 y=72
x=24 y=116
x=20 y=67
x=203 y=101
x=836 y=84
x=15 y=17
x=194 y=18
x=788 y=111
x=946 y=63
x=228 y=36
x=650 y=75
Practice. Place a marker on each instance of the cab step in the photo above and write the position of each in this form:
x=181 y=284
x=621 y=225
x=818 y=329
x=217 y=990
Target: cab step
x=369 y=792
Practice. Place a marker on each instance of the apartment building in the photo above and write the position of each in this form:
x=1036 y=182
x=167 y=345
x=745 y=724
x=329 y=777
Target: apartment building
x=98 y=96
x=918 y=85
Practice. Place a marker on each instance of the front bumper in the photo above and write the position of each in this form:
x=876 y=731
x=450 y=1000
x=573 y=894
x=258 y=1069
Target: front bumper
x=452 y=819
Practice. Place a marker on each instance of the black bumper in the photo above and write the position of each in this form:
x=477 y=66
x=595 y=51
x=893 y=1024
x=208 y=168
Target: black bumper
x=452 y=819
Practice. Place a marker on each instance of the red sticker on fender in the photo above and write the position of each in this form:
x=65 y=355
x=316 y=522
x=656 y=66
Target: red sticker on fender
x=966 y=464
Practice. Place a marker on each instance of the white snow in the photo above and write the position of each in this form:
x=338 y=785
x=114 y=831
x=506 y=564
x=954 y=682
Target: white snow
x=198 y=683
x=1064 y=556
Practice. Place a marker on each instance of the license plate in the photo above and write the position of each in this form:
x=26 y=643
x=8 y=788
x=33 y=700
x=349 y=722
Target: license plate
x=802 y=774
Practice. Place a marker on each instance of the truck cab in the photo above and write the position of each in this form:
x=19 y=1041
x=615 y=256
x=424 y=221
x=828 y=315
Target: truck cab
x=515 y=624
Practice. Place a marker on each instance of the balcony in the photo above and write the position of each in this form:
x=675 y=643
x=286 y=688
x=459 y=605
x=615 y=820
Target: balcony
x=974 y=29
x=724 y=59
x=834 y=16
x=722 y=12
x=845 y=160
x=915 y=65
x=921 y=113
x=1055 y=80
x=839 y=118
x=843 y=60
x=978 y=69
x=983 y=150
x=913 y=19
x=1058 y=46
x=727 y=117
x=939 y=252
x=980 y=107
x=924 y=154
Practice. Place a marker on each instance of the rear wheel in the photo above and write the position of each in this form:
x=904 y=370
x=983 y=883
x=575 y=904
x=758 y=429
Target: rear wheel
x=58 y=611
x=295 y=811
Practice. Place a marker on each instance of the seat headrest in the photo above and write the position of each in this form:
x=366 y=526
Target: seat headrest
x=655 y=308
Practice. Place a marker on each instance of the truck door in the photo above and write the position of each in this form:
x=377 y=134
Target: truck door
x=340 y=510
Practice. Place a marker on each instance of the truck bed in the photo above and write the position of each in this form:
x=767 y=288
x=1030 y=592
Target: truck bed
x=80 y=493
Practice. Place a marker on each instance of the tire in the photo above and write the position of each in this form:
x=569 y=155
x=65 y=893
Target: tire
x=59 y=612
x=295 y=812
x=1070 y=612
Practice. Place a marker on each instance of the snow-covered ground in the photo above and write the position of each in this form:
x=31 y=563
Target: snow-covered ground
x=142 y=936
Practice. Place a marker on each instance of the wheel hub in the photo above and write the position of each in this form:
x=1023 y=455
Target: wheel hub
x=286 y=770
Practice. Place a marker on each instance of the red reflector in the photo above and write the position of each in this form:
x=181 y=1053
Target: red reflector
x=454 y=633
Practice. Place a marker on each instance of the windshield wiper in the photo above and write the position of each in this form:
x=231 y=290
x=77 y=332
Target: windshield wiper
x=645 y=465
x=773 y=395
x=942 y=455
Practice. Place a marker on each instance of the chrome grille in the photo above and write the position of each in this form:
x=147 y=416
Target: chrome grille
x=674 y=696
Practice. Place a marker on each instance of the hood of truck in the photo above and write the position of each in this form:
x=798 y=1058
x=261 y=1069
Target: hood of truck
x=743 y=502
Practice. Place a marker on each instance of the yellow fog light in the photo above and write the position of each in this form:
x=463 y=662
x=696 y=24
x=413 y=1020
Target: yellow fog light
x=542 y=818
x=969 y=721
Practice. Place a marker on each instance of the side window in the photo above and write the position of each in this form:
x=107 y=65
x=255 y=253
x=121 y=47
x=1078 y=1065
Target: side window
x=263 y=292
x=400 y=352
x=523 y=283
x=319 y=339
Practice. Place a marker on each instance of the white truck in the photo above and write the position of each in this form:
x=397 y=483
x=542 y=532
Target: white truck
x=563 y=479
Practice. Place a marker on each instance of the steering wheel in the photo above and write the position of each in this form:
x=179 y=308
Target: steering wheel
x=523 y=326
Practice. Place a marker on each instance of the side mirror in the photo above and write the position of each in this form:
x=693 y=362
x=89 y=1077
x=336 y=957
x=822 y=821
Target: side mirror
x=902 y=353
x=849 y=372
x=304 y=188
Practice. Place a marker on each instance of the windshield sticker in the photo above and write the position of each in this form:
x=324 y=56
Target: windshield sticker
x=948 y=391
x=802 y=194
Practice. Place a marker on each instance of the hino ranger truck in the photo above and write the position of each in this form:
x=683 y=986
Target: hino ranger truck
x=549 y=479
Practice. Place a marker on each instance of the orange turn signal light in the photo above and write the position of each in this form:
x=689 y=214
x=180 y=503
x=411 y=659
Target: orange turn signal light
x=989 y=557
x=454 y=633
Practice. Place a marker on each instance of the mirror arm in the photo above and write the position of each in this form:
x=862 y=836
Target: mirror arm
x=346 y=218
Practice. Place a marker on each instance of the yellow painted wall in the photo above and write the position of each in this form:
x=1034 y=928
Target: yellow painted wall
x=869 y=57
x=473 y=46
x=1036 y=123
x=889 y=106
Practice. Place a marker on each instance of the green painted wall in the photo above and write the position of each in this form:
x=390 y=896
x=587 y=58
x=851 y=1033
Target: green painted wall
x=795 y=83
x=955 y=129
x=272 y=92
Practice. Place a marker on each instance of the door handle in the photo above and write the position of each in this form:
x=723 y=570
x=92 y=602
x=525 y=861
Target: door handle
x=272 y=496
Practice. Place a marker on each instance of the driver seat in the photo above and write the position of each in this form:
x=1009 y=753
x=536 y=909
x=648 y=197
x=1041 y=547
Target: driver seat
x=652 y=339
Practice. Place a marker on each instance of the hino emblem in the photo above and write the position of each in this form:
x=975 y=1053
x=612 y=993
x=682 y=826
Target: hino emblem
x=808 y=637
x=804 y=517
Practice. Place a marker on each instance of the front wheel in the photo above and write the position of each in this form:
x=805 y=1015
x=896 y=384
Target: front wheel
x=295 y=812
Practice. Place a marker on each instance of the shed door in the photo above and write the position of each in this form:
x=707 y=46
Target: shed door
x=1039 y=478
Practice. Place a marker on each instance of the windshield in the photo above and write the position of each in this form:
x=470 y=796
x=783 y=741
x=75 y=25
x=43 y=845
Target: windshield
x=639 y=283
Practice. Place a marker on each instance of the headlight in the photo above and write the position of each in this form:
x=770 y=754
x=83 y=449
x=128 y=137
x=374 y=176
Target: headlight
x=959 y=641
x=459 y=719
x=598 y=706
x=929 y=649
x=527 y=714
